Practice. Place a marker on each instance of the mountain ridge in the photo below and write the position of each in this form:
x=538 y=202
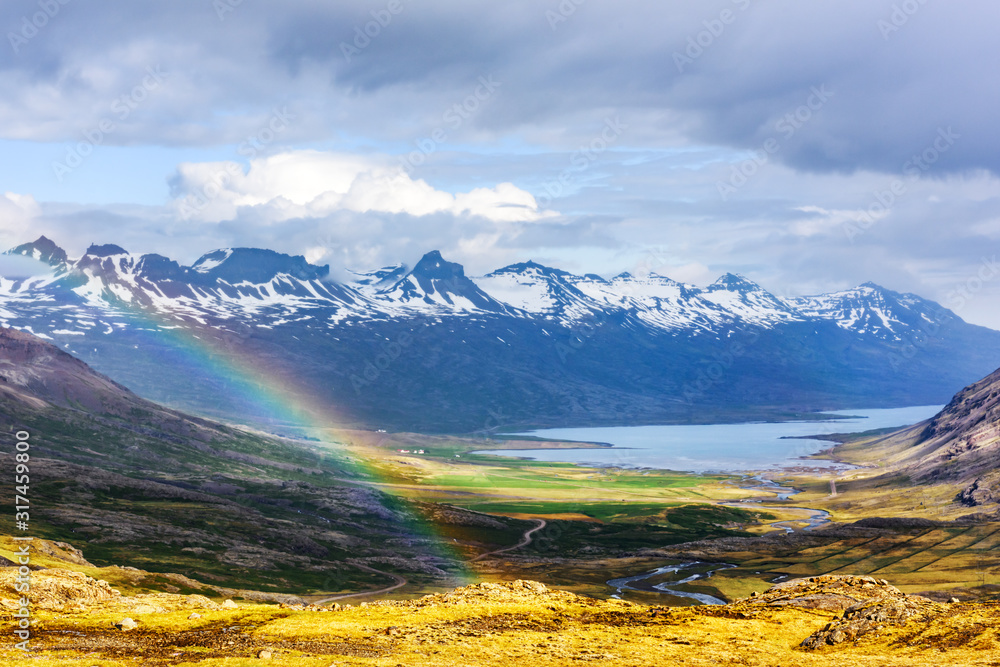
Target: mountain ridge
x=243 y=265
x=541 y=345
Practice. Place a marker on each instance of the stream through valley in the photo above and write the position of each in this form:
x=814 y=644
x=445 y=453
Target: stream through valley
x=669 y=578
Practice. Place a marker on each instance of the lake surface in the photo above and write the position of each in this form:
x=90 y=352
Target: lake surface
x=715 y=447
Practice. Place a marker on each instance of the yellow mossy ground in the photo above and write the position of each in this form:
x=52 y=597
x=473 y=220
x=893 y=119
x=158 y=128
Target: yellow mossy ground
x=516 y=623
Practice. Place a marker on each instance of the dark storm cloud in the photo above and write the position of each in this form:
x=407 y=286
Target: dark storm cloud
x=755 y=134
x=726 y=73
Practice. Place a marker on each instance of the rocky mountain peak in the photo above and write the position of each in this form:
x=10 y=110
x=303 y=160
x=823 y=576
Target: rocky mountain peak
x=734 y=282
x=42 y=249
x=433 y=266
x=105 y=250
x=157 y=268
x=435 y=281
x=255 y=265
x=529 y=267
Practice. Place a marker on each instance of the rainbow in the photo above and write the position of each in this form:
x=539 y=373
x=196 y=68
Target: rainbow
x=272 y=394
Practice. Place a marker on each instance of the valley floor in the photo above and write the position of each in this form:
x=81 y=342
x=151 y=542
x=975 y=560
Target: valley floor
x=573 y=528
x=610 y=522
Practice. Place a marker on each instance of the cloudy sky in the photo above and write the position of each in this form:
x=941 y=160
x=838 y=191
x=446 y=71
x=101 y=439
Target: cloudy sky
x=810 y=146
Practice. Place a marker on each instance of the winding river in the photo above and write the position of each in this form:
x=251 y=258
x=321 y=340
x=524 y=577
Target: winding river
x=813 y=519
x=670 y=587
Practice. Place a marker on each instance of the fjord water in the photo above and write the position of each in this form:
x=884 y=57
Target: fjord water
x=716 y=447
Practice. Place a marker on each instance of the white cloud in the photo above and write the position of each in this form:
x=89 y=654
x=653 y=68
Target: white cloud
x=24 y=204
x=18 y=215
x=316 y=254
x=15 y=267
x=694 y=273
x=309 y=184
x=823 y=221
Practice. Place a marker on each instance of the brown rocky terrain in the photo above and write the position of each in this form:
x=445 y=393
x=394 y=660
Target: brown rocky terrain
x=867 y=604
x=958 y=447
x=963 y=441
x=39 y=375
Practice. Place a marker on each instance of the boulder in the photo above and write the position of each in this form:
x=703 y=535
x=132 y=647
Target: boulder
x=865 y=603
x=126 y=624
x=978 y=493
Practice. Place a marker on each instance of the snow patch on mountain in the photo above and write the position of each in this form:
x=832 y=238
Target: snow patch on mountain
x=213 y=259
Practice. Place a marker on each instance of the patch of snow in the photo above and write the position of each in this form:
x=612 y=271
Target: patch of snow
x=208 y=264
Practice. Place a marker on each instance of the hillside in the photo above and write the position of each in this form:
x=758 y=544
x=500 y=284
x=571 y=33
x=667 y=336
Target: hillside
x=963 y=442
x=958 y=449
x=36 y=374
x=134 y=483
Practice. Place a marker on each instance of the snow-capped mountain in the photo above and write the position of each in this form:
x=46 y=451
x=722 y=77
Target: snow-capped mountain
x=249 y=283
x=872 y=310
x=749 y=301
x=539 y=344
x=540 y=291
x=43 y=250
x=652 y=300
x=435 y=285
x=239 y=283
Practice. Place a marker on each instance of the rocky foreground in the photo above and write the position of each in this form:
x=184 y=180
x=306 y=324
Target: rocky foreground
x=817 y=621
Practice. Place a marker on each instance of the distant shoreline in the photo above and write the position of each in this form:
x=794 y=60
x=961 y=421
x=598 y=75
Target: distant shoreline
x=528 y=445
